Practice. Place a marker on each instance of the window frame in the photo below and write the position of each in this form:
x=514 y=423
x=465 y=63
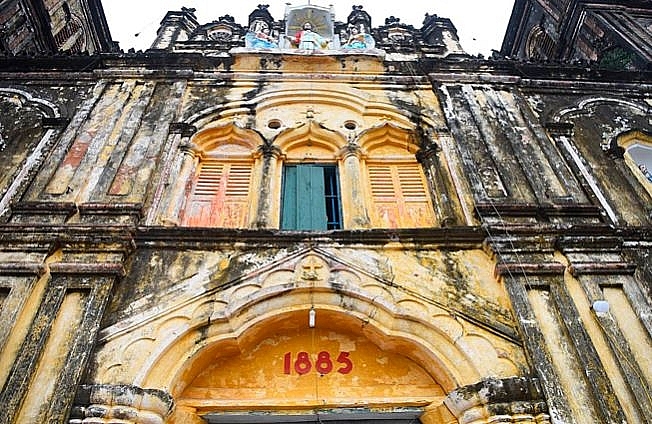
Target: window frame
x=333 y=213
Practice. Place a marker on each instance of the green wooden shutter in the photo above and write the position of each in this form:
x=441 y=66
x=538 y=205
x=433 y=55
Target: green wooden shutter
x=304 y=205
x=289 y=211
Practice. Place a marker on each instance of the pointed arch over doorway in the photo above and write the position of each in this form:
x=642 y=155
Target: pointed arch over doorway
x=213 y=351
x=378 y=355
x=282 y=366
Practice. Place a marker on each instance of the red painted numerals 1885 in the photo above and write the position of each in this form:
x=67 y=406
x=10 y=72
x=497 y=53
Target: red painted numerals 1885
x=324 y=364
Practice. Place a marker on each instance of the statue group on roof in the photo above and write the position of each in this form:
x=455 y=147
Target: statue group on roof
x=315 y=30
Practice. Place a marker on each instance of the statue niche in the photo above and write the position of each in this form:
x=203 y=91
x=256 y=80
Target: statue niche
x=309 y=28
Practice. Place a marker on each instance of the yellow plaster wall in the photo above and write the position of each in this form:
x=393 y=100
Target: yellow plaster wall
x=258 y=376
x=607 y=358
x=315 y=63
x=35 y=406
x=391 y=306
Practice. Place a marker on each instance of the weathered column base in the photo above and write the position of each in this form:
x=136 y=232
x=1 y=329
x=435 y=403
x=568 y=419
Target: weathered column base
x=511 y=400
x=99 y=404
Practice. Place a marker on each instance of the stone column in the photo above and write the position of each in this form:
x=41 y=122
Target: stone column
x=178 y=190
x=267 y=178
x=352 y=194
x=445 y=200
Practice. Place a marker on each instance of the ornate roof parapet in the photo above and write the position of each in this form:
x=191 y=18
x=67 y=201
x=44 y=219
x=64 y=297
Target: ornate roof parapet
x=439 y=36
x=175 y=26
x=260 y=14
x=180 y=32
x=222 y=33
x=395 y=36
x=360 y=18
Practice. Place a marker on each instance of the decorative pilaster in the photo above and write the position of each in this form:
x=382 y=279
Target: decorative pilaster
x=56 y=341
x=612 y=293
x=178 y=191
x=445 y=199
x=352 y=189
x=270 y=156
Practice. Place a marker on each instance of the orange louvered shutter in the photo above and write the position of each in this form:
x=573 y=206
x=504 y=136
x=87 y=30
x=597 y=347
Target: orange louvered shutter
x=399 y=196
x=219 y=196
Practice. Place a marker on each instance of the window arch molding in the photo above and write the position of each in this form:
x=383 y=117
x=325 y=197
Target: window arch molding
x=309 y=170
x=294 y=142
x=385 y=135
x=539 y=44
x=219 y=169
x=635 y=148
x=211 y=138
x=397 y=190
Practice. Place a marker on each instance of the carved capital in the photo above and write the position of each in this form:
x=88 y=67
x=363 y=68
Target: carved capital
x=269 y=151
x=518 y=397
x=128 y=404
x=189 y=148
x=427 y=153
x=350 y=149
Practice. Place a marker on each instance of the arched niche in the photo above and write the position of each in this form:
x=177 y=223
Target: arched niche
x=635 y=147
x=539 y=44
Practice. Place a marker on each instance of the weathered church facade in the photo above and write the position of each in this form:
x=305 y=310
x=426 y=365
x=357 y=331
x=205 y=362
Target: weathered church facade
x=305 y=219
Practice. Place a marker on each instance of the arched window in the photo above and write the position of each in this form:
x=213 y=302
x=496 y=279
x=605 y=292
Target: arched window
x=540 y=45
x=398 y=191
x=310 y=195
x=218 y=192
x=637 y=153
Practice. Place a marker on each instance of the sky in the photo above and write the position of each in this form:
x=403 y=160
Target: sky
x=480 y=24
